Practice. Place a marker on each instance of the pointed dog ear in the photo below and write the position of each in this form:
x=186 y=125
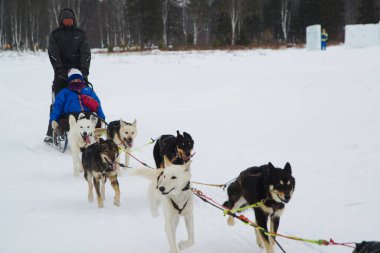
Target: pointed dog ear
x=72 y=120
x=167 y=162
x=178 y=134
x=270 y=165
x=186 y=135
x=122 y=123
x=81 y=116
x=288 y=168
x=94 y=120
x=134 y=122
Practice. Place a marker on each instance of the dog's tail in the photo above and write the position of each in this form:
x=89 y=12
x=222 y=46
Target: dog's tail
x=150 y=174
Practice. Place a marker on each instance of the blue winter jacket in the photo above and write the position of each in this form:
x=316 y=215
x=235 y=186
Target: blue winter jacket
x=67 y=101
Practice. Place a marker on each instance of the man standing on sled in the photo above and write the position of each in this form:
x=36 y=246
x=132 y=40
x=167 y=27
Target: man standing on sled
x=68 y=48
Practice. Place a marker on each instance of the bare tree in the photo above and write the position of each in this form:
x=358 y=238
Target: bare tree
x=234 y=9
x=16 y=23
x=199 y=11
x=164 y=15
x=2 y=25
x=286 y=14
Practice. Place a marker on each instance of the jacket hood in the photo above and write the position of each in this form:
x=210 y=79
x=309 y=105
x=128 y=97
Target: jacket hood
x=66 y=13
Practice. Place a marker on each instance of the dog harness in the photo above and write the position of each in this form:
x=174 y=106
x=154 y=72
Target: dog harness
x=176 y=207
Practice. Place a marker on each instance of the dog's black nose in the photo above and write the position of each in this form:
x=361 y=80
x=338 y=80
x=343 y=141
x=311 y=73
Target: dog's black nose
x=84 y=134
x=287 y=197
x=162 y=189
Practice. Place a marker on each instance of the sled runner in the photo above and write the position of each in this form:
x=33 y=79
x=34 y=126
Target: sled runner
x=59 y=137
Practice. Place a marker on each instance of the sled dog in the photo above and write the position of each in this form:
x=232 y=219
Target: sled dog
x=171 y=187
x=272 y=185
x=176 y=148
x=99 y=164
x=367 y=247
x=80 y=136
x=123 y=134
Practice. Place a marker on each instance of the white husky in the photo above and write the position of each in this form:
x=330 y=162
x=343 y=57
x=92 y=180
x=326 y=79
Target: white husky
x=171 y=186
x=81 y=135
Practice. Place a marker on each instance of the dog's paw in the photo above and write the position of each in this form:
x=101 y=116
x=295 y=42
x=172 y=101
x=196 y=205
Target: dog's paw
x=116 y=202
x=230 y=221
x=259 y=243
x=80 y=169
x=76 y=174
x=185 y=244
x=90 y=198
x=155 y=214
x=100 y=205
x=272 y=241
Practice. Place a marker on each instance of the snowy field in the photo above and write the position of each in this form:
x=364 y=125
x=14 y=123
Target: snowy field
x=317 y=110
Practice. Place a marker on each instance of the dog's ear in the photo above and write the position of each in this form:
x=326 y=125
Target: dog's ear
x=167 y=162
x=101 y=141
x=270 y=168
x=288 y=168
x=178 y=134
x=134 y=123
x=72 y=120
x=186 y=135
x=94 y=120
x=122 y=123
x=81 y=116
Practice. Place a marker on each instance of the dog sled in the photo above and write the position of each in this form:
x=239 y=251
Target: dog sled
x=59 y=136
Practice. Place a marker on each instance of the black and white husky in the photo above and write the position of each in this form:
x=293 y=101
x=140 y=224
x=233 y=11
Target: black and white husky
x=99 y=163
x=80 y=136
x=266 y=183
x=171 y=187
x=123 y=134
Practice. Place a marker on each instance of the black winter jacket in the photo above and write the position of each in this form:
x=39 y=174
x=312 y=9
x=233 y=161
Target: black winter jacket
x=68 y=48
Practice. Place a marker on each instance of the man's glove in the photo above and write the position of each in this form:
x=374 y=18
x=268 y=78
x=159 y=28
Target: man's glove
x=54 y=125
x=62 y=74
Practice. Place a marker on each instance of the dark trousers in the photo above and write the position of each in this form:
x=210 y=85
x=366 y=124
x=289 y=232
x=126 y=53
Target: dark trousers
x=324 y=45
x=57 y=86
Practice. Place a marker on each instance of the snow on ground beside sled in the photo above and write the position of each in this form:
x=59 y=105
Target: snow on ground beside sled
x=317 y=110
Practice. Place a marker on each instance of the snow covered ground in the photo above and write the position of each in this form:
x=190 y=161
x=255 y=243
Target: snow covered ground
x=317 y=110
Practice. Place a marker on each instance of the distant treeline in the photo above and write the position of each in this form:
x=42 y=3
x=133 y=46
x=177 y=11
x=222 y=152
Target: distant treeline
x=138 y=24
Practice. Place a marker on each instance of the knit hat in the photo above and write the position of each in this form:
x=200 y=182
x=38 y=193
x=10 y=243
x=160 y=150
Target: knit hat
x=66 y=14
x=74 y=74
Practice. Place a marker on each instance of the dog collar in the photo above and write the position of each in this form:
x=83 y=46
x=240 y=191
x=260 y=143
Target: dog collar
x=177 y=207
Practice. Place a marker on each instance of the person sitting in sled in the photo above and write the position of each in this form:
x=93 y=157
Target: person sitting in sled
x=74 y=99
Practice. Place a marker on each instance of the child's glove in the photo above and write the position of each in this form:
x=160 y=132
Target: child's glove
x=54 y=125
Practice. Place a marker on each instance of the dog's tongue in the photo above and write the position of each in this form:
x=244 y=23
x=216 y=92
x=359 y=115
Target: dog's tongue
x=88 y=141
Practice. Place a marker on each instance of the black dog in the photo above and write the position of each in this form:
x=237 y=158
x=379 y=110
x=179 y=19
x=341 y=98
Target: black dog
x=255 y=184
x=98 y=162
x=176 y=149
x=367 y=247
